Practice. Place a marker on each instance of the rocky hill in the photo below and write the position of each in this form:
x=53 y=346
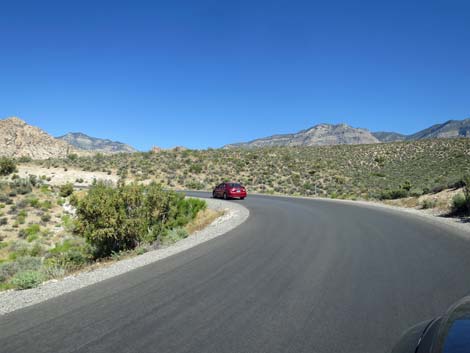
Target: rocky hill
x=318 y=135
x=449 y=129
x=88 y=143
x=18 y=139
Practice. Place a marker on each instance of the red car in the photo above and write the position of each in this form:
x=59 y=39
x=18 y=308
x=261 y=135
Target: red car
x=229 y=190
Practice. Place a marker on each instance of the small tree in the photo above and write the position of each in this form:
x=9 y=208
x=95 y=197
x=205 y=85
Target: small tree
x=7 y=166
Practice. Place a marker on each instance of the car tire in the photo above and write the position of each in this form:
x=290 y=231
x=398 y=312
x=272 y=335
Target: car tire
x=225 y=196
x=213 y=195
x=242 y=198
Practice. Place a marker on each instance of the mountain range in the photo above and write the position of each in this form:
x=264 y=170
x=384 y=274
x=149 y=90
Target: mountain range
x=88 y=143
x=322 y=134
x=341 y=134
x=18 y=139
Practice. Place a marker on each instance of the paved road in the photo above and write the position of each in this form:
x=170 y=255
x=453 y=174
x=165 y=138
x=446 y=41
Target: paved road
x=297 y=276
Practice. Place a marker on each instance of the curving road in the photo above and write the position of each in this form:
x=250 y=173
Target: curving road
x=298 y=276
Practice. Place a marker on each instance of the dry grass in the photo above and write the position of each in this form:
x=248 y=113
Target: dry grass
x=202 y=220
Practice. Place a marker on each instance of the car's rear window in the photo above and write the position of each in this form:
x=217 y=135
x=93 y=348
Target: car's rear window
x=235 y=185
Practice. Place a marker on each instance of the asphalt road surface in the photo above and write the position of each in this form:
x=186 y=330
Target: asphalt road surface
x=297 y=276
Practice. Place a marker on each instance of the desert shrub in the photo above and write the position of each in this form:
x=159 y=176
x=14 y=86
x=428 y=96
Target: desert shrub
x=21 y=186
x=466 y=191
x=393 y=194
x=34 y=202
x=195 y=168
x=187 y=209
x=428 y=203
x=3 y=221
x=72 y=157
x=33 y=180
x=21 y=218
x=46 y=217
x=416 y=192
x=37 y=249
x=24 y=159
x=174 y=235
x=33 y=229
x=51 y=269
x=438 y=188
x=18 y=249
x=22 y=204
x=195 y=185
x=28 y=263
x=116 y=219
x=459 y=204
x=66 y=190
x=67 y=223
x=7 y=166
x=27 y=279
x=69 y=254
x=46 y=205
x=7 y=270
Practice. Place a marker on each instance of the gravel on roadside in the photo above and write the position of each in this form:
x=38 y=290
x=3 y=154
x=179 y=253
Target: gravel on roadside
x=235 y=214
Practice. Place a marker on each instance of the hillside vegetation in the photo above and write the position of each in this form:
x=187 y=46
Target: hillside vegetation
x=380 y=171
x=47 y=232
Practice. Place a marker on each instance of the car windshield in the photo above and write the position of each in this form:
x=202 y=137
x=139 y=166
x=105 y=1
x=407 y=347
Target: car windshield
x=235 y=185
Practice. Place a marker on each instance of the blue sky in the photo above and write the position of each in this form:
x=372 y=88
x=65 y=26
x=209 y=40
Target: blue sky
x=206 y=73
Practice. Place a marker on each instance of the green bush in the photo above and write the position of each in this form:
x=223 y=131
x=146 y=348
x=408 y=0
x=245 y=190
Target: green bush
x=7 y=166
x=26 y=263
x=393 y=194
x=33 y=229
x=33 y=179
x=121 y=218
x=34 y=202
x=7 y=270
x=66 y=190
x=71 y=253
x=46 y=217
x=27 y=279
x=195 y=185
x=459 y=204
x=174 y=235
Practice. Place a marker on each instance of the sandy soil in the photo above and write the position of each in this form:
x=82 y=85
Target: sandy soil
x=59 y=176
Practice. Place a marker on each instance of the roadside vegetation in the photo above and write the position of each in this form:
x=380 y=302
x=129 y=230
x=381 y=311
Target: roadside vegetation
x=48 y=232
x=379 y=171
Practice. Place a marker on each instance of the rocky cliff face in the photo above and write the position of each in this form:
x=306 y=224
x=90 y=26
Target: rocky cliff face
x=322 y=134
x=18 y=139
x=88 y=143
